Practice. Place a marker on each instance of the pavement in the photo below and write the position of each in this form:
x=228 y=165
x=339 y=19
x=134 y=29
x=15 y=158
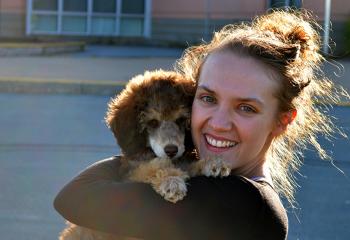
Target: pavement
x=48 y=136
x=99 y=70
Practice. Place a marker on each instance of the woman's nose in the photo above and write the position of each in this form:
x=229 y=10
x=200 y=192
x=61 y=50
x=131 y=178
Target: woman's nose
x=220 y=121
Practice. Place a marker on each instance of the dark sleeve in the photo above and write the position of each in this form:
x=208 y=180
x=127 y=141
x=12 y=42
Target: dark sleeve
x=214 y=208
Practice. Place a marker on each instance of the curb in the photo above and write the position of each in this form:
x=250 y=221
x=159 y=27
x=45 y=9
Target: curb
x=59 y=86
x=30 y=49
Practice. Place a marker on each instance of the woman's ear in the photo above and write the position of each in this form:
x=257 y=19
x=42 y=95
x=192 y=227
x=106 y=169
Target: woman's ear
x=284 y=120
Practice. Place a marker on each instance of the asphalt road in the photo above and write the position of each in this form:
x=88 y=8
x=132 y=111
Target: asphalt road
x=47 y=139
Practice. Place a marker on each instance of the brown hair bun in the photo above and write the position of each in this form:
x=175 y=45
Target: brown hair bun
x=296 y=30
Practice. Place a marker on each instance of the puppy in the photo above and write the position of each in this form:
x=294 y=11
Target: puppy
x=151 y=121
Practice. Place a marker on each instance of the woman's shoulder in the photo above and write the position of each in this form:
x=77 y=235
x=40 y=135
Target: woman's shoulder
x=240 y=200
x=240 y=190
x=231 y=184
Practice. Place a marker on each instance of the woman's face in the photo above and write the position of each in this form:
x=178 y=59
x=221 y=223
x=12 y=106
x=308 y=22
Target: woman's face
x=234 y=111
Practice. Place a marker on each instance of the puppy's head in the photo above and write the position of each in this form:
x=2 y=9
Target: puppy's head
x=153 y=111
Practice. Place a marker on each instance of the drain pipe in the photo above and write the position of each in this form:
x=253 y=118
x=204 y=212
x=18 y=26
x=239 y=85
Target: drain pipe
x=327 y=16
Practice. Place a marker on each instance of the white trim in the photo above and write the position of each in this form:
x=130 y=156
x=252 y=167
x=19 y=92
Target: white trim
x=117 y=19
x=77 y=14
x=147 y=19
x=103 y=14
x=59 y=16
x=89 y=18
x=44 y=12
x=327 y=19
x=74 y=33
x=28 y=17
x=128 y=15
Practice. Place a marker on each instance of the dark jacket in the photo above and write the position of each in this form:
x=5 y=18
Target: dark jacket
x=233 y=207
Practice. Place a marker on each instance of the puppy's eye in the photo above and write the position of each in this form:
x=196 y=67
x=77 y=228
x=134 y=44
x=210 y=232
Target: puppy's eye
x=182 y=121
x=153 y=123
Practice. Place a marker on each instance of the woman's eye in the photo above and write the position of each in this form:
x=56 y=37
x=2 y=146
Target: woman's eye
x=247 y=109
x=207 y=99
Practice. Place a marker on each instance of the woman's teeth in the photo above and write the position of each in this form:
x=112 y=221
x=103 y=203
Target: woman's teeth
x=219 y=143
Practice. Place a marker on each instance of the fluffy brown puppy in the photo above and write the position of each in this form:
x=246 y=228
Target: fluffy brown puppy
x=150 y=121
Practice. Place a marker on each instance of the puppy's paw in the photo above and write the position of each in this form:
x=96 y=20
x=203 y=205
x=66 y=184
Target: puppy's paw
x=173 y=189
x=216 y=167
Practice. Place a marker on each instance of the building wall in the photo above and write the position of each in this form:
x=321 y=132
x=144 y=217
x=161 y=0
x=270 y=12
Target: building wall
x=219 y=9
x=12 y=18
x=190 y=21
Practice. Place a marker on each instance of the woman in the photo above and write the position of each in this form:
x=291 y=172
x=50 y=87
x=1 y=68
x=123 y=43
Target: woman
x=254 y=107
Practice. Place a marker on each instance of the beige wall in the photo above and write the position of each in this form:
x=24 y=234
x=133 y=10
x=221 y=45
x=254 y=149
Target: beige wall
x=219 y=9
x=237 y=9
x=234 y=9
x=13 y=5
x=12 y=18
x=340 y=9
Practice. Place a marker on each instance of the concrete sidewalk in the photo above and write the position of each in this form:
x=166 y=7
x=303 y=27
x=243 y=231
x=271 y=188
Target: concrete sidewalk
x=99 y=70
x=102 y=70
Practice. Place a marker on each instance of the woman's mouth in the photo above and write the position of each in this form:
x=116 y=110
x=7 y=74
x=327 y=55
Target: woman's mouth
x=219 y=143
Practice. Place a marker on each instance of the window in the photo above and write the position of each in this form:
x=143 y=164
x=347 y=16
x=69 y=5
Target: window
x=133 y=6
x=131 y=27
x=295 y=3
x=46 y=18
x=104 y=6
x=89 y=17
x=73 y=24
x=45 y=23
x=103 y=25
x=75 y=5
x=277 y=4
x=45 y=5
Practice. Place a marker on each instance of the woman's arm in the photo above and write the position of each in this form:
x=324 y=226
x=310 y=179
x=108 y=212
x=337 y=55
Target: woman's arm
x=213 y=207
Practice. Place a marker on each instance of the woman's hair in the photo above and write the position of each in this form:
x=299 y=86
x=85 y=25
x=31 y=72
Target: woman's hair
x=289 y=43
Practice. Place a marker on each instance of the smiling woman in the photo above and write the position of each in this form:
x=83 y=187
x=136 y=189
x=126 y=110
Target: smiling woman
x=234 y=112
x=259 y=86
x=254 y=109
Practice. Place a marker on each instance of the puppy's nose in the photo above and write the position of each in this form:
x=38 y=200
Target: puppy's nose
x=170 y=150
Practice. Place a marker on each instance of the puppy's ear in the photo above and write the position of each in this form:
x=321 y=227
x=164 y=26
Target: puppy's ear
x=189 y=87
x=123 y=119
x=188 y=91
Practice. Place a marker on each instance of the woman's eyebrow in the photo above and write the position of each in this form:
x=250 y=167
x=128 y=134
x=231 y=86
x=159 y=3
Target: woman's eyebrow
x=240 y=99
x=205 y=88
